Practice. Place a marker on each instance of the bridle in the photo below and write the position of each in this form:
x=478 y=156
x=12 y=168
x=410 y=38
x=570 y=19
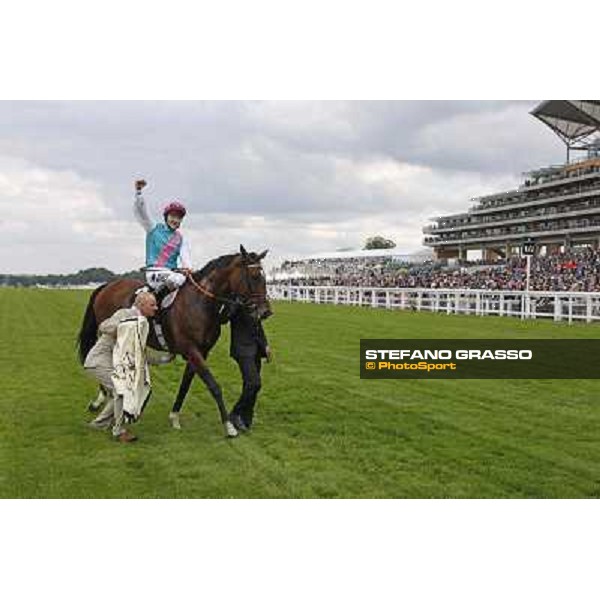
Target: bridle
x=253 y=297
x=244 y=300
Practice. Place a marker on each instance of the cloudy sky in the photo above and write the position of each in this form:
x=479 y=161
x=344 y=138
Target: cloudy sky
x=295 y=177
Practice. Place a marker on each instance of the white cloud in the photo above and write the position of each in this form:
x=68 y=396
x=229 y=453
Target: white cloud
x=53 y=220
x=297 y=177
x=33 y=194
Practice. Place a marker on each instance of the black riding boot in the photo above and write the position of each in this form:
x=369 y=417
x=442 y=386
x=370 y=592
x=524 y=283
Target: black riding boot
x=161 y=294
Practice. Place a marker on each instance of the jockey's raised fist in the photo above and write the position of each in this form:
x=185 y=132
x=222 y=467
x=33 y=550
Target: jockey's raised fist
x=140 y=184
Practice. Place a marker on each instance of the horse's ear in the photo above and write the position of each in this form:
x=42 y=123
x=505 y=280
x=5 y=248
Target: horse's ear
x=243 y=251
x=262 y=254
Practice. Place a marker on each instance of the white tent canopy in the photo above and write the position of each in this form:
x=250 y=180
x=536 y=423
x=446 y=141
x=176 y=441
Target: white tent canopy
x=393 y=253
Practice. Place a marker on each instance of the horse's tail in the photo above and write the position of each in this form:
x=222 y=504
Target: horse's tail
x=89 y=327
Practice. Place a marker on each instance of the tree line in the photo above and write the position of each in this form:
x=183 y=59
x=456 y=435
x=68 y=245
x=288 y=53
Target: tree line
x=102 y=275
x=82 y=277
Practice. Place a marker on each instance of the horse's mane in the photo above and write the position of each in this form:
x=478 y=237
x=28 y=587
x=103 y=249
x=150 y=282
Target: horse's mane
x=216 y=263
x=220 y=263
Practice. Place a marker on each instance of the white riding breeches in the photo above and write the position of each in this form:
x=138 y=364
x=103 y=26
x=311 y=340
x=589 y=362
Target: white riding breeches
x=156 y=278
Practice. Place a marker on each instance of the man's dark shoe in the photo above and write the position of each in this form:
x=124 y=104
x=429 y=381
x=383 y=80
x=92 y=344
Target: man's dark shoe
x=238 y=422
x=126 y=437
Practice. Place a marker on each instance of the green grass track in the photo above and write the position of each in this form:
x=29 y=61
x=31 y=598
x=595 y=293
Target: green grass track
x=320 y=431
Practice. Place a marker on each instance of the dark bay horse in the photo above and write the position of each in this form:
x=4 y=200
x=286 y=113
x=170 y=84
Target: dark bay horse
x=191 y=325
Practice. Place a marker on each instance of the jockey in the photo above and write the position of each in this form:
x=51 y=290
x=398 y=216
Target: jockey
x=165 y=246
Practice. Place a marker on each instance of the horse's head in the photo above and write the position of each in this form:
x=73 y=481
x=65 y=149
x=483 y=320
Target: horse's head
x=247 y=282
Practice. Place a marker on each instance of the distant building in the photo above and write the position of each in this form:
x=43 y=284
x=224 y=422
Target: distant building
x=556 y=206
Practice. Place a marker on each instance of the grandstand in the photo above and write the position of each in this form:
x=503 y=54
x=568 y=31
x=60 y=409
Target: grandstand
x=557 y=207
x=556 y=211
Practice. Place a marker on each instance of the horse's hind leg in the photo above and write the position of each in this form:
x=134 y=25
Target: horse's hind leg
x=213 y=387
x=184 y=387
x=95 y=405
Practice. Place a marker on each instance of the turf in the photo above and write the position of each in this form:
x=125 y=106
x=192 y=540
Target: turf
x=320 y=432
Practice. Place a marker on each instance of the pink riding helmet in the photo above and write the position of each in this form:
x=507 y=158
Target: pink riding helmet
x=174 y=207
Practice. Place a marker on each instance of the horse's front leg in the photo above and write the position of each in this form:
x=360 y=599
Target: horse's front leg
x=184 y=387
x=196 y=359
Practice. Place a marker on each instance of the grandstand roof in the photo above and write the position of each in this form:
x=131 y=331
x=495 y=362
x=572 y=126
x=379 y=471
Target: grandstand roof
x=571 y=120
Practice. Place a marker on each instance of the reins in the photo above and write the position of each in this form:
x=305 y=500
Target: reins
x=204 y=291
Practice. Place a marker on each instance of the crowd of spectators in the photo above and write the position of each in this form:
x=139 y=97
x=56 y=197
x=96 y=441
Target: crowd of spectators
x=571 y=270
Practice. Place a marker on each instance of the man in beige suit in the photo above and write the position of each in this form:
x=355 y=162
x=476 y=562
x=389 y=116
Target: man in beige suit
x=99 y=364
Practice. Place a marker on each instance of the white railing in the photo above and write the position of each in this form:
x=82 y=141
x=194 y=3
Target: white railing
x=560 y=306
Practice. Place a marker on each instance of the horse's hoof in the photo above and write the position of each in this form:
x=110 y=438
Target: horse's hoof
x=174 y=418
x=230 y=430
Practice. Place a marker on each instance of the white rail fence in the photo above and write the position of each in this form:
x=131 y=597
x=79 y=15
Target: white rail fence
x=560 y=306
